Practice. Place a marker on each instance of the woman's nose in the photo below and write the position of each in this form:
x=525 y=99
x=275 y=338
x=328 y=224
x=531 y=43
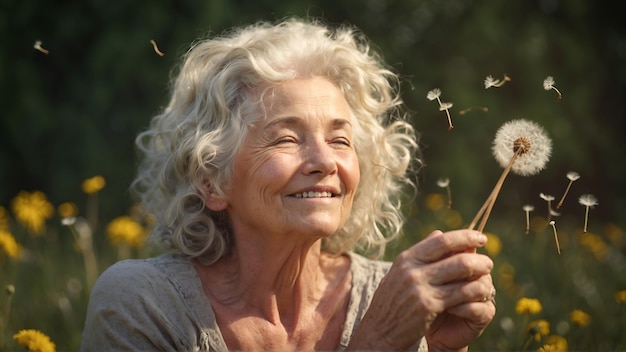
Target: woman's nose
x=319 y=158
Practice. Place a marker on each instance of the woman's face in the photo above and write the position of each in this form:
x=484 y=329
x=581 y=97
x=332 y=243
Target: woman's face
x=297 y=171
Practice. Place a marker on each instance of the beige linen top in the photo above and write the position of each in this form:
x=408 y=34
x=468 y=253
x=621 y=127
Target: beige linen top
x=158 y=304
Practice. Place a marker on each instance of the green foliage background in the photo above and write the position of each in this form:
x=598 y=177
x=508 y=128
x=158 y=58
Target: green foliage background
x=74 y=113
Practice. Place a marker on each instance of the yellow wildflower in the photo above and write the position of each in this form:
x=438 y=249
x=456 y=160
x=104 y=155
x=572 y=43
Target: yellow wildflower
x=579 y=318
x=620 y=296
x=34 y=340
x=4 y=218
x=32 y=209
x=538 y=328
x=453 y=219
x=94 y=184
x=528 y=306
x=124 y=229
x=494 y=245
x=9 y=245
x=554 y=343
x=67 y=210
x=595 y=244
x=435 y=201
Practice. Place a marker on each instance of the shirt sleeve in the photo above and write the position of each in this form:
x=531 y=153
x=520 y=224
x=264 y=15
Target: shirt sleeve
x=130 y=309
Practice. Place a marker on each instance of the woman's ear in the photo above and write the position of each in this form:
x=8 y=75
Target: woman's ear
x=212 y=199
x=215 y=202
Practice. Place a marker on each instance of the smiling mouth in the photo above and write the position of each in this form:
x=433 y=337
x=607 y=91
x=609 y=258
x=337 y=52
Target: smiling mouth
x=314 y=195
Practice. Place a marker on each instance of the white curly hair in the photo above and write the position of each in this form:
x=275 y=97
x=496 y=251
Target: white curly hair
x=189 y=148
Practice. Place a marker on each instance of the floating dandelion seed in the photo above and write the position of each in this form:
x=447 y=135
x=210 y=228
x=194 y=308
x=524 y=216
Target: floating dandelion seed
x=436 y=94
x=492 y=82
x=466 y=110
x=156 y=48
x=520 y=146
x=548 y=84
x=589 y=201
x=548 y=198
x=445 y=183
x=433 y=94
x=38 y=47
x=572 y=176
x=556 y=237
x=527 y=209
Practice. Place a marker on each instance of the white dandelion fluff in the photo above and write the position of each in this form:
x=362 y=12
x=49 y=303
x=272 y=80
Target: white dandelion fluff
x=548 y=83
x=527 y=209
x=433 y=94
x=445 y=183
x=490 y=82
x=571 y=176
x=588 y=201
x=445 y=106
x=528 y=140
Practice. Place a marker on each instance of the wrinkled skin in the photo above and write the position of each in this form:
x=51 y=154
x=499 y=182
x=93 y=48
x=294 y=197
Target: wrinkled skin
x=436 y=289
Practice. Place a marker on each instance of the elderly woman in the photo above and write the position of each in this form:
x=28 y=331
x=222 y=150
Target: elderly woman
x=280 y=156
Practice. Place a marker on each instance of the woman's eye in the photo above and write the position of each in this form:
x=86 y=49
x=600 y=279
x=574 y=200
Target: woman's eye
x=343 y=141
x=283 y=140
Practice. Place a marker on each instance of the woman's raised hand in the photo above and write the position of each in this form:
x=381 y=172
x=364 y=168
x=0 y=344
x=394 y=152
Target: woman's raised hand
x=439 y=288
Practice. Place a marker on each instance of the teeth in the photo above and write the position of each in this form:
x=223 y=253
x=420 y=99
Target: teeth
x=314 y=195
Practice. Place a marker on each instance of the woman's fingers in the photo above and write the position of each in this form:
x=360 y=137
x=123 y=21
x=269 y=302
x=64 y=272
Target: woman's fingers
x=461 y=266
x=478 y=290
x=439 y=245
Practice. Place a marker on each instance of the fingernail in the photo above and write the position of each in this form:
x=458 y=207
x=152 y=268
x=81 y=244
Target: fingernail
x=482 y=239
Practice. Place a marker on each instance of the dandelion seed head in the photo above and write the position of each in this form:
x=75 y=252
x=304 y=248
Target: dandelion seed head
x=588 y=200
x=573 y=176
x=433 y=94
x=548 y=83
x=554 y=213
x=546 y=197
x=443 y=182
x=552 y=222
x=528 y=207
x=445 y=106
x=528 y=139
x=521 y=145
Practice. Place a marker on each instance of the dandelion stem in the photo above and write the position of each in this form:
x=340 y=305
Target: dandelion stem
x=488 y=206
x=10 y=290
x=466 y=110
x=564 y=194
x=527 y=222
x=586 y=218
x=447 y=113
x=556 y=237
x=156 y=48
x=89 y=257
x=449 y=196
x=557 y=92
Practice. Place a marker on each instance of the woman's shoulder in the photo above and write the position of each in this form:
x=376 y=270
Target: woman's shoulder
x=165 y=275
x=366 y=276
x=360 y=264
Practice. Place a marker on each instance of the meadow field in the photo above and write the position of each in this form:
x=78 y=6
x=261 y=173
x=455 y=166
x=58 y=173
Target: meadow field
x=50 y=255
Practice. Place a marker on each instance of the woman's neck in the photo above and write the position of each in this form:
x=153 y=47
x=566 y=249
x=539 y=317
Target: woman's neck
x=276 y=281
